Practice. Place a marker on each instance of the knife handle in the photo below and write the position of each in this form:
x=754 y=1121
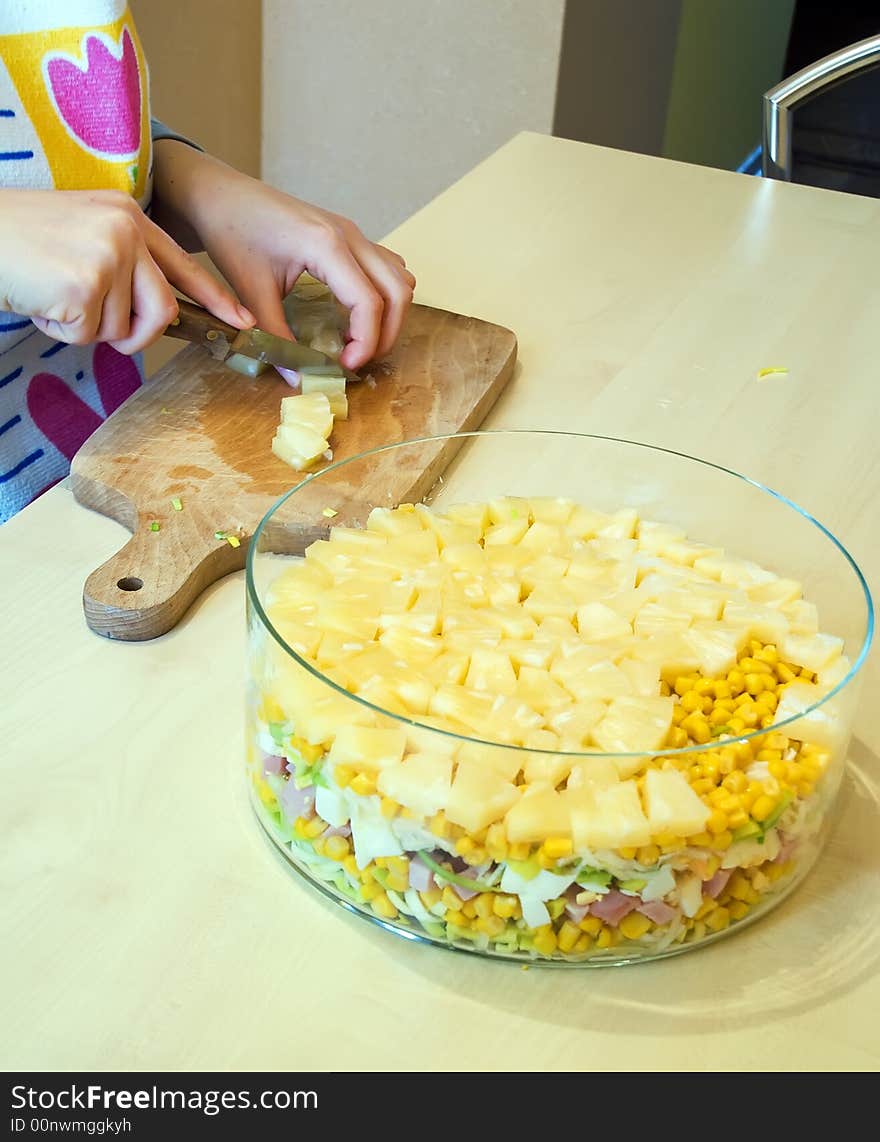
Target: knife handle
x=202 y=328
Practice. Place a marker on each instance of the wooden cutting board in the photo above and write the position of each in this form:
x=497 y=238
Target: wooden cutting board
x=200 y=433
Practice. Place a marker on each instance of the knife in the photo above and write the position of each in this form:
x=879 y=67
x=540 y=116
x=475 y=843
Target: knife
x=200 y=327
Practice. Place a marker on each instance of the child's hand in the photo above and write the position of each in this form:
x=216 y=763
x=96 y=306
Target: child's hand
x=261 y=240
x=90 y=266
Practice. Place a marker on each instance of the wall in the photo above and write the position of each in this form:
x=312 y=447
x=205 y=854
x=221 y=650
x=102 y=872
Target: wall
x=205 y=67
x=371 y=109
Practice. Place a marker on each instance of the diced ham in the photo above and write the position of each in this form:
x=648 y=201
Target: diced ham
x=657 y=910
x=337 y=831
x=297 y=802
x=421 y=878
x=716 y=884
x=574 y=911
x=466 y=893
x=272 y=763
x=785 y=852
x=613 y=906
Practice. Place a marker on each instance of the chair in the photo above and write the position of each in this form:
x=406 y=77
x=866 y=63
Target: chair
x=821 y=126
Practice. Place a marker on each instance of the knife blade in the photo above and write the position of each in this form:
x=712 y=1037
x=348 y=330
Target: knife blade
x=198 y=326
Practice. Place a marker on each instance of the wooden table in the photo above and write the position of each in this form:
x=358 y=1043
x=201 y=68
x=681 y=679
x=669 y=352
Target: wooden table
x=146 y=922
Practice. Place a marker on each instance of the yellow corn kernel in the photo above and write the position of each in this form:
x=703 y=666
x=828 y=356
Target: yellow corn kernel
x=735 y=782
x=705 y=908
x=700 y=840
x=691 y=700
x=755 y=683
x=363 y=785
x=567 y=936
x=712 y=864
x=723 y=840
x=767 y=721
x=484 y=904
x=451 y=899
x=505 y=906
x=717 y=821
x=388 y=807
x=768 y=654
x=431 y=897
x=718 y=919
x=722 y=690
x=736 y=681
x=314 y=828
x=648 y=854
x=739 y=887
x=737 y=909
x=805 y=789
x=336 y=847
x=678 y=738
x=671 y=844
x=439 y=826
x=665 y=689
x=785 y=673
x=768 y=755
x=464 y=845
x=592 y=925
x=718 y=716
x=737 y=726
x=604 y=939
x=767 y=698
x=370 y=890
x=343 y=775
x=697 y=728
x=557 y=847
x=704 y=785
x=382 y=906
x=737 y=818
x=469 y=909
x=682 y=684
x=627 y=853
x=679 y=713
x=583 y=945
x=634 y=925
x=350 y=865
x=520 y=851
x=545 y=940
x=490 y=925
x=763 y=807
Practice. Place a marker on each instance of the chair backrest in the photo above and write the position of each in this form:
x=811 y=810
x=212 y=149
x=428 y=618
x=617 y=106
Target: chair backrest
x=822 y=125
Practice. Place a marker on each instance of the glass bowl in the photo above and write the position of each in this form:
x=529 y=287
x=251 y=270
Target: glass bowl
x=546 y=696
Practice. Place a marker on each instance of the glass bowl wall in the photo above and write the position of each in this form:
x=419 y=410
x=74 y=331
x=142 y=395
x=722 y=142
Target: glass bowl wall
x=315 y=748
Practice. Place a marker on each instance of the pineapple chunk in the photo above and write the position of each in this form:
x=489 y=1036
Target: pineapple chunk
x=392 y=521
x=575 y=723
x=492 y=671
x=596 y=622
x=546 y=769
x=500 y=759
x=598 y=772
x=422 y=782
x=816 y=652
x=634 y=725
x=539 y=813
x=367 y=747
x=502 y=534
x=823 y=726
x=333 y=387
x=299 y=446
x=608 y=817
x=551 y=509
x=310 y=410
x=671 y=804
x=479 y=796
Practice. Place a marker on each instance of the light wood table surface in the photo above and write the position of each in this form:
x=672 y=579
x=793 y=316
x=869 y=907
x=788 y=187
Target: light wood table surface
x=146 y=923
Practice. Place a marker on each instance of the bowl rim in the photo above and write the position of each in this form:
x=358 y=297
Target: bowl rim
x=252 y=593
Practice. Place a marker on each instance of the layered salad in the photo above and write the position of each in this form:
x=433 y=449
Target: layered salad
x=528 y=728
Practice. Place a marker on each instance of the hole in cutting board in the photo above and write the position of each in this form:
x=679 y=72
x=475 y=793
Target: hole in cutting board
x=129 y=583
